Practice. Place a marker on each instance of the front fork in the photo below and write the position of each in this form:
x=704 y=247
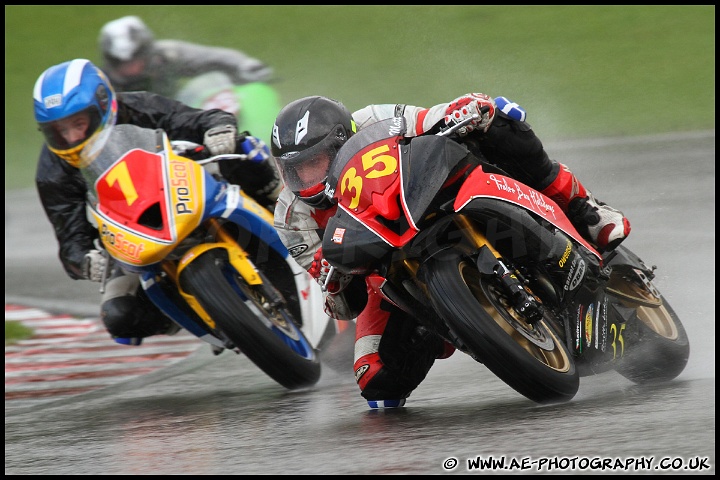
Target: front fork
x=490 y=262
x=237 y=257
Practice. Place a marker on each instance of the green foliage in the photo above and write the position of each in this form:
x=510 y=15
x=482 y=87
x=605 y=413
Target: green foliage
x=15 y=331
x=579 y=71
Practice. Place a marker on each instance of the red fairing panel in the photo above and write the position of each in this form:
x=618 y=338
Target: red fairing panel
x=370 y=189
x=492 y=185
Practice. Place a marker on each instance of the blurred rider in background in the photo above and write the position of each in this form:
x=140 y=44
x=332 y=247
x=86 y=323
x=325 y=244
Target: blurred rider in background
x=392 y=354
x=74 y=102
x=134 y=60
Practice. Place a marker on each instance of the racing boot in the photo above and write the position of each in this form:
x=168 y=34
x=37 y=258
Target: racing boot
x=601 y=225
x=392 y=354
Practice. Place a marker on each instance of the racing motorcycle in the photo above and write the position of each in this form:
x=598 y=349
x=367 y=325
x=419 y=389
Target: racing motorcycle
x=207 y=254
x=493 y=266
x=254 y=104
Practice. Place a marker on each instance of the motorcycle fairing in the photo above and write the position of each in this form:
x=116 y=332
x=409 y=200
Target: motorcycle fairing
x=481 y=184
x=351 y=245
x=248 y=215
x=171 y=308
x=369 y=186
x=602 y=331
x=386 y=183
x=145 y=201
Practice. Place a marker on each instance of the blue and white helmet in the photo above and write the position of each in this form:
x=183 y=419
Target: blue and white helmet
x=68 y=89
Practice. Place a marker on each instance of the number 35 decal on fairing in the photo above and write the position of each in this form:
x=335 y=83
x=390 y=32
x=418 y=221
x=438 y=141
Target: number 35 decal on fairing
x=377 y=165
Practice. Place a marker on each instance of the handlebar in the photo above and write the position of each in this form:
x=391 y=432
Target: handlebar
x=449 y=131
x=200 y=153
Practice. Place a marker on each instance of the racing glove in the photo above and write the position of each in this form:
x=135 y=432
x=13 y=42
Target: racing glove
x=320 y=269
x=221 y=140
x=94 y=265
x=465 y=107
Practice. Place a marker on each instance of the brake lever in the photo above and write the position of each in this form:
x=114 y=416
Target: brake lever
x=326 y=284
x=449 y=131
x=104 y=253
x=225 y=156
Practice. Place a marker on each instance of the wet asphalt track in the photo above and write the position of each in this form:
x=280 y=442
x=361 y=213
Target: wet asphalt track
x=221 y=415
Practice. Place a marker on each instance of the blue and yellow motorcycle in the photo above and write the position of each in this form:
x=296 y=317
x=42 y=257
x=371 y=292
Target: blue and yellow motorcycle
x=207 y=254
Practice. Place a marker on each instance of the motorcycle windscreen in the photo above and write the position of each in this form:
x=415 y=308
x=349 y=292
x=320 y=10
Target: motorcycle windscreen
x=428 y=165
x=146 y=199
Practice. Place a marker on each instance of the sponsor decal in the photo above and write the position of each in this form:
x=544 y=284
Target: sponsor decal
x=297 y=250
x=532 y=197
x=397 y=126
x=360 y=372
x=565 y=255
x=338 y=235
x=588 y=325
x=53 y=101
x=329 y=191
x=576 y=275
x=179 y=182
x=578 y=344
x=119 y=243
x=602 y=325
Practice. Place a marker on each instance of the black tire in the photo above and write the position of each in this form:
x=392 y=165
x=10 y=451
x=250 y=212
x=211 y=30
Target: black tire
x=270 y=338
x=533 y=360
x=661 y=349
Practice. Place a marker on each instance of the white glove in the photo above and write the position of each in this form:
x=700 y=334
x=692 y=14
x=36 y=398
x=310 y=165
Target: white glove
x=465 y=107
x=94 y=265
x=221 y=140
x=320 y=269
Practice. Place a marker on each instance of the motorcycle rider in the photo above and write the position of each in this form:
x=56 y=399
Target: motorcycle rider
x=392 y=355
x=134 y=60
x=74 y=103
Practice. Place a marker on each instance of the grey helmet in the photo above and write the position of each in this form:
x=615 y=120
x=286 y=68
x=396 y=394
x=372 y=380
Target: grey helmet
x=122 y=41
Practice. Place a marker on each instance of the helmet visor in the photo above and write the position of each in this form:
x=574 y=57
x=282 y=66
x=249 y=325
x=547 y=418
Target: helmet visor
x=71 y=131
x=305 y=171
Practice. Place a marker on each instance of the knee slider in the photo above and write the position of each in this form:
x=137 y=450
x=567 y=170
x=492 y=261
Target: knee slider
x=127 y=317
x=117 y=315
x=386 y=385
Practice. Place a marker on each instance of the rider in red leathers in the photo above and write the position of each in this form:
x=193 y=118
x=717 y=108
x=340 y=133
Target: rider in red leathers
x=392 y=354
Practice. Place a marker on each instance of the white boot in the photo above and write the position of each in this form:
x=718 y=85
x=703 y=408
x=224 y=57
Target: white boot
x=600 y=224
x=604 y=226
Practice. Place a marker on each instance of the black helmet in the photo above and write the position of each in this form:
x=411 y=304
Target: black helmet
x=305 y=139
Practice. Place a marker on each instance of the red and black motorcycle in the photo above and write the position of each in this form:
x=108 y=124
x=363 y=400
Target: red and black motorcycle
x=494 y=266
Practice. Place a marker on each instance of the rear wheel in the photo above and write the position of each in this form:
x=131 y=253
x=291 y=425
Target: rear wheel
x=530 y=358
x=266 y=334
x=661 y=349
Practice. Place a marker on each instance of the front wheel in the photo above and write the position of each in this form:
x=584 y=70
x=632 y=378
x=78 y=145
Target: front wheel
x=266 y=334
x=530 y=358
